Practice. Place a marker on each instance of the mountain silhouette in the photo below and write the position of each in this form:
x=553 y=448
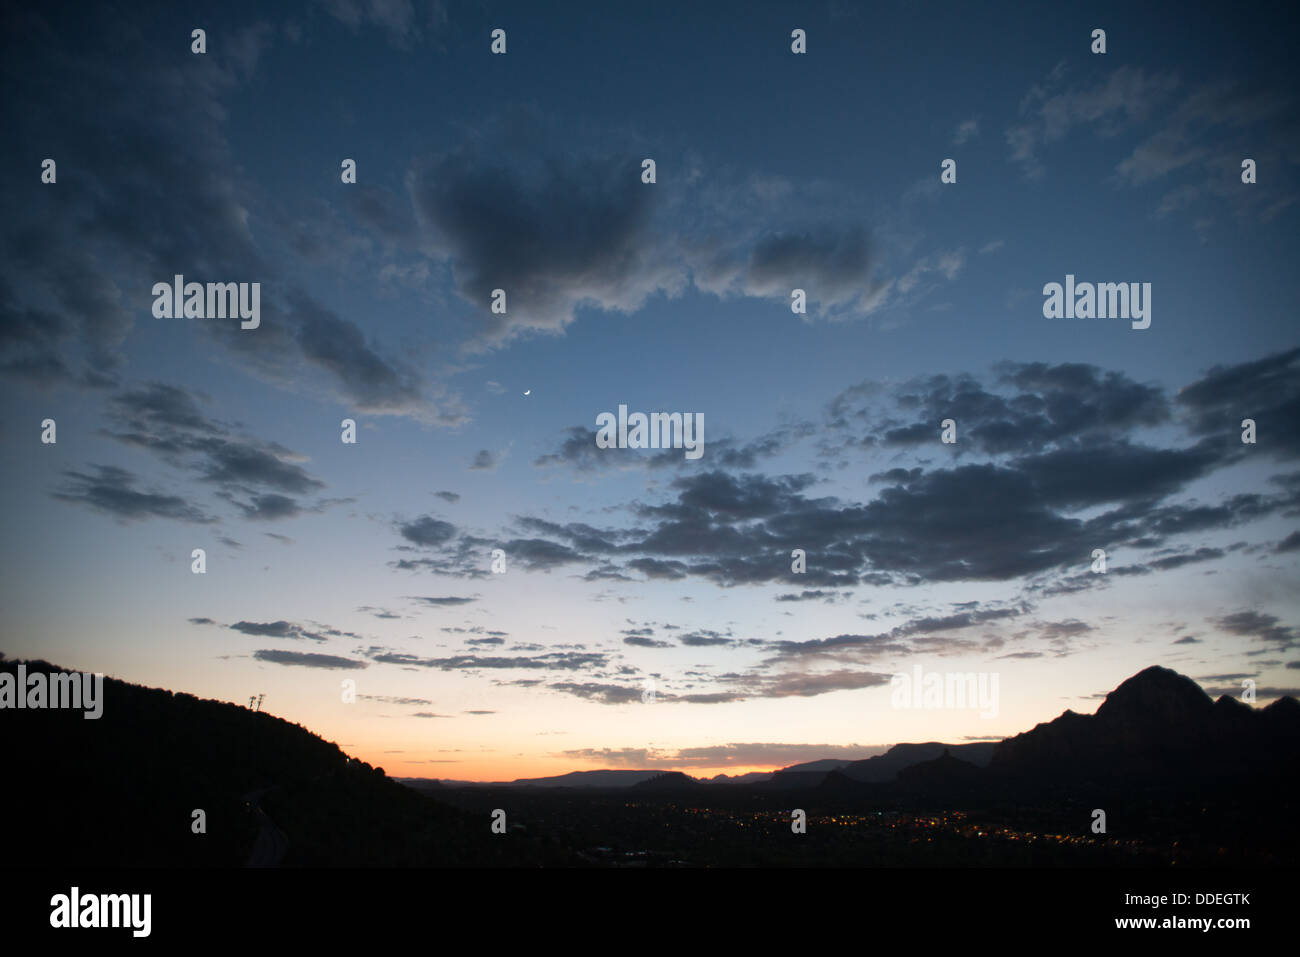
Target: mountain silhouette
x=1158 y=726
x=123 y=789
x=668 y=781
x=886 y=767
x=945 y=774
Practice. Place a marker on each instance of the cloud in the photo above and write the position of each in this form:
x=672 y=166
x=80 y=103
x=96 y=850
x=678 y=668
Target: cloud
x=1030 y=405
x=833 y=264
x=307 y=659
x=555 y=233
x=731 y=688
x=814 y=594
x=1263 y=627
x=281 y=629
x=74 y=281
x=398 y=19
x=554 y=661
x=112 y=490
x=378 y=612
x=739 y=755
x=389 y=699
x=1266 y=390
x=602 y=693
x=373 y=383
x=704 y=638
x=1196 y=144
x=641 y=641
x=580 y=452
x=441 y=602
x=427 y=531
x=1049 y=463
x=257 y=478
x=1127 y=96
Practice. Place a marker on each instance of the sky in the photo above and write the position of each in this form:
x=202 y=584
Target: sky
x=645 y=610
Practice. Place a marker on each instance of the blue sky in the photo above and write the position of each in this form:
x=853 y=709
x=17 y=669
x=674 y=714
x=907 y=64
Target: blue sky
x=774 y=171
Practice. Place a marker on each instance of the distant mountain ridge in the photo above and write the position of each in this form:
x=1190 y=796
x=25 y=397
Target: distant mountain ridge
x=1156 y=725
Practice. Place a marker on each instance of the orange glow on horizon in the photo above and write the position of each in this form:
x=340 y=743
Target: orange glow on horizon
x=492 y=770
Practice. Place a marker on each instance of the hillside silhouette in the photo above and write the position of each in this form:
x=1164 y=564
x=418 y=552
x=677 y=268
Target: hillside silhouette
x=120 y=790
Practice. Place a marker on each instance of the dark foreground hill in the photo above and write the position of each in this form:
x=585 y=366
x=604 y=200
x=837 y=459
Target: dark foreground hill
x=122 y=789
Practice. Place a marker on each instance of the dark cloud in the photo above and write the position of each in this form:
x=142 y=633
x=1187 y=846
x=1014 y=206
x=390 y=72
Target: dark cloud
x=580 y=452
x=1061 y=439
x=112 y=490
x=832 y=263
x=642 y=642
x=704 y=638
x=553 y=233
x=156 y=141
x=379 y=612
x=1036 y=405
x=307 y=659
x=597 y=691
x=1262 y=691
x=1263 y=627
x=809 y=595
x=269 y=507
x=444 y=602
x=1187 y=558
x=427 y=531
x=275 y=629
x=257 y=478
x=389 y=699
x=658 y=568
x=1266 y=390
x=555 y=661
x=374 y=383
